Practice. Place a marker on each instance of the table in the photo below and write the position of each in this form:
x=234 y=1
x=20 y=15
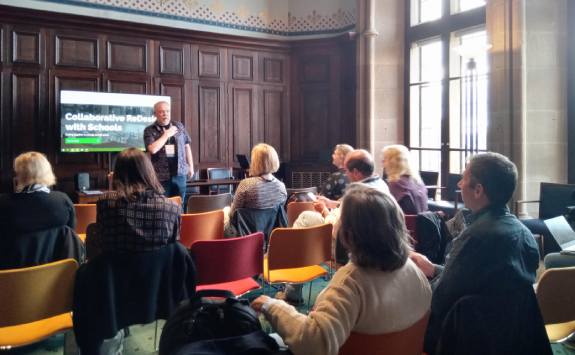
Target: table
x=82 y=197
x=204 y=185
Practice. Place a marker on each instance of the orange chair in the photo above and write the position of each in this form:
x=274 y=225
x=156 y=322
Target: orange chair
x=36 y=302
x=201 y=226
x=294 y=255
x=176 y=199
x=406 y=342
x=229 y=264
x=556 y=294
x=85 y=215
x=295 y=208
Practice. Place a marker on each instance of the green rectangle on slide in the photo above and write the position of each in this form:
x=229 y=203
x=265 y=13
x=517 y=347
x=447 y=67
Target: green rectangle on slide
x=83 y=140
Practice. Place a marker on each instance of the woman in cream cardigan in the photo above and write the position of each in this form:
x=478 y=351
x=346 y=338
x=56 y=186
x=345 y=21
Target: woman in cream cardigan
x=379 y=291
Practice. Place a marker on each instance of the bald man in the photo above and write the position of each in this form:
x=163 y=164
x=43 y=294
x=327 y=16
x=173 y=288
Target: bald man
x=359 y=168
x=168 y=144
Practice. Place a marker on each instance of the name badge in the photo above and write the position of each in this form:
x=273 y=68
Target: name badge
x=170 y=150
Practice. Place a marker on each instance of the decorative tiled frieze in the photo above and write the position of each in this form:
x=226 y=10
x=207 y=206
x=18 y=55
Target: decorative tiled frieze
x=230 y=14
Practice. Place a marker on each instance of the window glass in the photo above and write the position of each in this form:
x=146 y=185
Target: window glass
x=465 y=5
x=425 y=11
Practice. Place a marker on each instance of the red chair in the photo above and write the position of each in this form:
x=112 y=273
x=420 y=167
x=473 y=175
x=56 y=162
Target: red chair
x=410 y=223
x=229 y=264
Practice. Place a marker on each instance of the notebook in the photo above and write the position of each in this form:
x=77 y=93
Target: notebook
x=561 y=232
x=243 y=160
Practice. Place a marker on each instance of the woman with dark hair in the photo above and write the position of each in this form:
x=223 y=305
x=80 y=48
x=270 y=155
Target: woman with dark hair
x=379 y=291
x=135 y=216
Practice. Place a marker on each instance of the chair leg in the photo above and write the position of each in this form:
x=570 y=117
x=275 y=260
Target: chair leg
x=309 y=297
x=70 y=346
x=156 y=347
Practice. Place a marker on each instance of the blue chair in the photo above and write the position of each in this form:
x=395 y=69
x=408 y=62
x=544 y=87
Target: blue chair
x=220 y=174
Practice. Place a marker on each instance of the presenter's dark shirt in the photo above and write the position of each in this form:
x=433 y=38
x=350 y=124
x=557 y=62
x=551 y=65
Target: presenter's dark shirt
x=167 y=167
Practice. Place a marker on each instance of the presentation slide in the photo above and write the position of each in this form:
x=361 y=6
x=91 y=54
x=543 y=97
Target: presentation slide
x=104 y=122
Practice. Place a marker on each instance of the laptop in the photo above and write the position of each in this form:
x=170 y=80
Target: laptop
x=243 y=160
x=562 y=233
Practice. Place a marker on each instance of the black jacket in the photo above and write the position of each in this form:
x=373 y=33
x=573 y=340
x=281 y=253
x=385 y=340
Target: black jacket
x=116 y=290
x=40 y=247
x=432 y=236
x=250 y=220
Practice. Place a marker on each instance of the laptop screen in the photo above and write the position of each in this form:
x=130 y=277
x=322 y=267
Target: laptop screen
x=561 y=231
x=243 y=160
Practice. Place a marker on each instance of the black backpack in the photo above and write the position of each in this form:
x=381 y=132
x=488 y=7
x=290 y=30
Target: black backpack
x=215 y=326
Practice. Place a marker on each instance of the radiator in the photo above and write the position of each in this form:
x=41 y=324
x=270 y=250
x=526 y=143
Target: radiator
x=308 y=178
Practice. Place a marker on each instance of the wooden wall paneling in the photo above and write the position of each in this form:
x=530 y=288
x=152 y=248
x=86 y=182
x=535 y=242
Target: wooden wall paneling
x=172 y=58
x=208 y=62
x=127 y=83
x=243 y=65
x=28 y=115
x=175 y=89
x=274 y=68
x=68 y=164
x=78 y=50
x=314 y=122
x=127 y=54
x=211 y=128
x=275 y=119
x=27 y=46
x=246 y=128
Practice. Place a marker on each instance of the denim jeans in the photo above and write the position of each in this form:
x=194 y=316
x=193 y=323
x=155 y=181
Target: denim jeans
x=176 y=186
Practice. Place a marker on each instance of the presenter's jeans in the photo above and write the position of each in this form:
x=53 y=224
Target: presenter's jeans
x=176 y=186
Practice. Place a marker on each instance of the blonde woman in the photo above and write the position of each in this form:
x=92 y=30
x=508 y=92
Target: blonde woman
x=403 y=179
x=34 y=207
x=335 y=185
x=261 y=190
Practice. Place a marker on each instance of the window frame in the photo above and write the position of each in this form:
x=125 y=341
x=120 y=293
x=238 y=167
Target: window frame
x=441 y=28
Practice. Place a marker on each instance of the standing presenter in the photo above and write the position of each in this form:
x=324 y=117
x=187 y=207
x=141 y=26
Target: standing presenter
x=168 y=144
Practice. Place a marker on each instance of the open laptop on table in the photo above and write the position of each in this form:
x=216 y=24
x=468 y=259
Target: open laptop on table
x=562 y=233
x=243 y=160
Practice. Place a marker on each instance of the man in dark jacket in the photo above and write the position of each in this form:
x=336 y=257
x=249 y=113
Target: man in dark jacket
x=494 y=256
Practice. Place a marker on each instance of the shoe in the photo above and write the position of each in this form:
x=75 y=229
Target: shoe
x=281 y=295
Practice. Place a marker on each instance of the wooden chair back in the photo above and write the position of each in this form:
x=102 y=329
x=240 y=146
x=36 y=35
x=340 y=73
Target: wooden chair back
x=201 y=226
x=406 y=342
x=85 y=215
x=295 y=208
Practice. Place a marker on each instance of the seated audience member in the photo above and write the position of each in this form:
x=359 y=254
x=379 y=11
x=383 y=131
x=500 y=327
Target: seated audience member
x=359 y=168
x=492 y=257
x=379 y=291
x=335 y=185
x=36 y=217
x=261 y=190
x=136 y=216
x=403 y=180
